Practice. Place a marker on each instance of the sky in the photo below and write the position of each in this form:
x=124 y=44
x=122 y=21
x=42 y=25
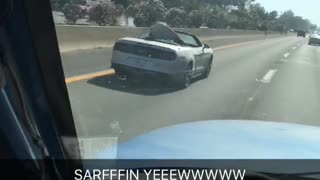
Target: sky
x=308 y=9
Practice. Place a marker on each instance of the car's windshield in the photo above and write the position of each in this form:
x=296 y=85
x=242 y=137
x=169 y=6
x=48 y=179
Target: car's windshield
x=184 y=40
x=233 y=74
x=146 y=36
x=178 y=38
x=188 y=40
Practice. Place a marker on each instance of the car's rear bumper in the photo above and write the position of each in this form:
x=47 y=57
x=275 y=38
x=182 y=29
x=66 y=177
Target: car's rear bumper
x=314 y=41
x=143 y=73
x=138 y=63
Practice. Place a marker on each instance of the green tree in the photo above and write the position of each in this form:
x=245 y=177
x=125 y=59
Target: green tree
x=176 y=17
x=149 y=12
x=195 y=19
x=287 y=19
x=104 y=13
x=301 y=24
x=189 y=5
x=71 y=12
x=119 y=9
x=244 y=4
x=131 y=11
x=313 y=27
x=258 y=17
x=124 y=3
x=242 y=19
x=58 y=5
x=240 y=4
x=239 y=14
x=215 y=17
x=272 y=16
x=231 y=20
x=232 y=14
x=173 y=3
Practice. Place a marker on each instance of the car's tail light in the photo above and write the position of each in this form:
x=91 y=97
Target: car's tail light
x=145 y=51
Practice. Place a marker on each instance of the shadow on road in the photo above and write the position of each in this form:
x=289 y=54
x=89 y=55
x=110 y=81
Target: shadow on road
x=147 y=87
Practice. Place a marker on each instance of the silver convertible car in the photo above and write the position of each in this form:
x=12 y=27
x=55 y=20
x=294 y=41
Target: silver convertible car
x=314 y=38
x=163 y=52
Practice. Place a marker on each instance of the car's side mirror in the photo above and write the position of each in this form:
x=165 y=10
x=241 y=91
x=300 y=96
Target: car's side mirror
x=206 y=46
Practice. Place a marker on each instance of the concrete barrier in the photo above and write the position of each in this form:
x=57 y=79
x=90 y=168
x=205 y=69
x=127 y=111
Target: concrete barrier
x=88 y=37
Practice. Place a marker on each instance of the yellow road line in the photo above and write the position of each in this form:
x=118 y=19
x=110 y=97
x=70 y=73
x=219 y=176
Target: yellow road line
x=90 y=76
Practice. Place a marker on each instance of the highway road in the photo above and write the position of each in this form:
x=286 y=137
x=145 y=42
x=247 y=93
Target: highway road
x=80 y=62
x=275 y=79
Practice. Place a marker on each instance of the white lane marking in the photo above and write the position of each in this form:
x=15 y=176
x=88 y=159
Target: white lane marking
x=268 y=77
x=294 y=47
x=255 y=94
x=286 y=55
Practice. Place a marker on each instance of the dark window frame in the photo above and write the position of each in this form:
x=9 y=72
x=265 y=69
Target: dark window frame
x=41 y=27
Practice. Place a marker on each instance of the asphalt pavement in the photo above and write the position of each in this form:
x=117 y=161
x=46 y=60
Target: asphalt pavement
x=275 y=79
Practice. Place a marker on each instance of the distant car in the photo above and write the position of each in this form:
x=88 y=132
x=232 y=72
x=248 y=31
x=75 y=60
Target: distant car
x=301 y=33
x=314 y=39
x=163 y=52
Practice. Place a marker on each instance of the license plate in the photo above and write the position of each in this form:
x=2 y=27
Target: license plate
x=140 y=62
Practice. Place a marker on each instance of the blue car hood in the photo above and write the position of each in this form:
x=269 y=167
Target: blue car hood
x=228 y=139
x=222 y=139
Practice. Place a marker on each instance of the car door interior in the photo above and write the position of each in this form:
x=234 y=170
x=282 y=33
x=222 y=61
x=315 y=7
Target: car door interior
x=206 y=55
x=198 y=60
x=201 y=61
